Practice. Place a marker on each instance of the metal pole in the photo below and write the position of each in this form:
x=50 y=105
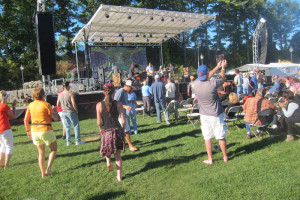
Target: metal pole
x=291 y=57
x=198 y=57
x=49 y=84
x=78 y=75
x=161 y=53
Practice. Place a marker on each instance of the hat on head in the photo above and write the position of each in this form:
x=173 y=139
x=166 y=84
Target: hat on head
x=245 y=74
x=251 y=72
x=202 y=71
x=128 y=83
x=108 y=87
x=156 y=76
x=257 y=70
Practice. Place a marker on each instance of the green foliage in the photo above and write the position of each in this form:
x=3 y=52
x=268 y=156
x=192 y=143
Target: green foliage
x=168 y=166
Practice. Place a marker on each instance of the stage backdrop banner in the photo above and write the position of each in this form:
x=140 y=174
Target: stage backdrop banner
x=120 y=58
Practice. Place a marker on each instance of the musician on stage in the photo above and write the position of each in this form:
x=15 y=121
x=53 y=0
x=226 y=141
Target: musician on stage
x=150 y=73
x=131 y=73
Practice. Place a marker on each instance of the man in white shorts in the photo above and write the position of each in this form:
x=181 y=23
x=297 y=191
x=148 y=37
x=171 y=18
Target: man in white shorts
x=210 y=108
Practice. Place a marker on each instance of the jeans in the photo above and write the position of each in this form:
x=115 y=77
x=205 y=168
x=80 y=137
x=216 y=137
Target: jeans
x=132 y=116
x=239 y=90
x=246 y=89
x=161 y=104
x=69 y=118
x=272 y=119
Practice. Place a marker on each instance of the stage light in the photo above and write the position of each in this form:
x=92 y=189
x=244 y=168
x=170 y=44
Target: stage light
x=93 y=40
x=166 y=36
x=163 y=40
x=117 y=46
x=101 y=39
x=162 y=19
x=150 y=35
x=120 y=35
x=106 y=15
x=122 y=39
x=147 y=40
x=137 y=47
x=153 y=47
x=144 y=36
x=151 y=18
x=172 y=20
x=105 y=47
x=183 y=20
x=96 y=47
x=129 y=17
x=137 y=35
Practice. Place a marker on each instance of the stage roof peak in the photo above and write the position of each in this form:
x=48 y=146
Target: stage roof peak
x=119 y=25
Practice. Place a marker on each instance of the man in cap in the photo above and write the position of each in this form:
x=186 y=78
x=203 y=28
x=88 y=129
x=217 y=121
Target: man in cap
x=122 y=96
x=260 y=79
x=212 y=114
x=253 y=82
x=158 y=91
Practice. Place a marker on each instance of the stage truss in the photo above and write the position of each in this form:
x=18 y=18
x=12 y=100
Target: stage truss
x=130 y=26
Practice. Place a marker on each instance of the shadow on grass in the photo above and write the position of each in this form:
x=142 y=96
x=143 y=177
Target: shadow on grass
x=84 y=165
x=108 y=195
x=170 y=162
x=77 y=153
x=173 y=137
x=21 y=135
x=132 y=156
x=163 y=125
x=26 y=142
x=255 y=146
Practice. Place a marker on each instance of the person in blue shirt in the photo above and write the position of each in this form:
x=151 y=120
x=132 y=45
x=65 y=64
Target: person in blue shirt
x=131 y=113
x=253 y=82
x=121 y=95
x=146 y=97
x=158 y=91
x=276 y=86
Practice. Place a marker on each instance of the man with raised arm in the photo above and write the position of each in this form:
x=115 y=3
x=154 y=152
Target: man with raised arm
x=210 y=108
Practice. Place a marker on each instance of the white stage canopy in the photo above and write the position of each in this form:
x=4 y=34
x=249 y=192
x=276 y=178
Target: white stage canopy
x=118 y=25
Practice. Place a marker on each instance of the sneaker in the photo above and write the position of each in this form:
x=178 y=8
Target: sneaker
x=79 y=143
x=136 y=132
x=63 y=137
x=274 y=126
x=69 y=143
x=289 y=138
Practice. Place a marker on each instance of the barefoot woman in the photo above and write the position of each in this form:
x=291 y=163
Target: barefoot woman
x=112 y=134
x=41 y=132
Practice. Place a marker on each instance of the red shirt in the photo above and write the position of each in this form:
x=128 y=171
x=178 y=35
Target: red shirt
x=4 y=118
x=58 y=108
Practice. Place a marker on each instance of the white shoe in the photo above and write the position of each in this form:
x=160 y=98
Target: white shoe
x=274 y=126
x=69 y=143
x=79 y=143
x=135 y=132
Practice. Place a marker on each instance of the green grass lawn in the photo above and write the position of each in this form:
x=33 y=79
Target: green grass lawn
x=168 y=166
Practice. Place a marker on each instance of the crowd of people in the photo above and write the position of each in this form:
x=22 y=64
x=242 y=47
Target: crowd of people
x=117 y=109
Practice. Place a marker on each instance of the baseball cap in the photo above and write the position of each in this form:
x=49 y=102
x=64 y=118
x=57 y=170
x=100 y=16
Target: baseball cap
x=202 y=71
x=157 y=76
x=128 y=83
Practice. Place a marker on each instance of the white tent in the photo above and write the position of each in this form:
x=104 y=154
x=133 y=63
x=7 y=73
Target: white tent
x=281 y=69
x=112 y=25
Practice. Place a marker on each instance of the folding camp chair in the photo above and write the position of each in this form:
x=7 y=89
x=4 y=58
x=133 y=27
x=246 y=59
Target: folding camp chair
x=263 y=113
x=140 y=107
x=236 y=110
x=172 y=109
x=195 y=114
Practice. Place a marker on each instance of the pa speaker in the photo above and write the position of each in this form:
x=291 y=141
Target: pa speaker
x=45 y=43
x=266 y=46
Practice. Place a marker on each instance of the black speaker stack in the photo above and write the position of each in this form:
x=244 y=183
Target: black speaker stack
x=45 y=43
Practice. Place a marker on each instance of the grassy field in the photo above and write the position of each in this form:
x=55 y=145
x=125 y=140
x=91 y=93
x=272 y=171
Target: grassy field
x=168 y=166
